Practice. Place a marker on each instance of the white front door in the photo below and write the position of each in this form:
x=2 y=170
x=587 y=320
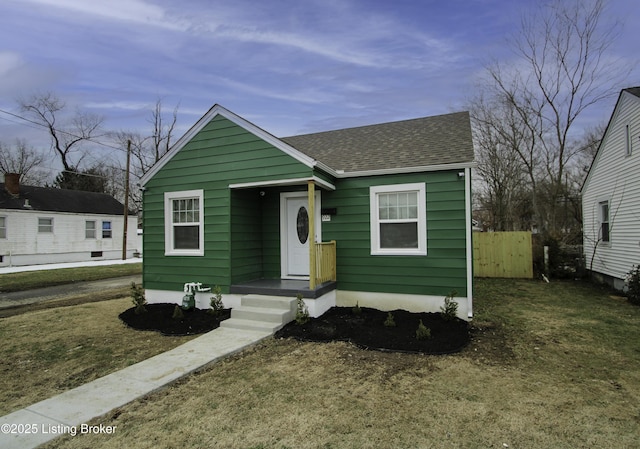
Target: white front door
x=295 y=233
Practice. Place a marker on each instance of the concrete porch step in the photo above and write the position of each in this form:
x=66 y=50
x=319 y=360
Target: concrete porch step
x=272 y=302
x=260 y=312
x=251 y=325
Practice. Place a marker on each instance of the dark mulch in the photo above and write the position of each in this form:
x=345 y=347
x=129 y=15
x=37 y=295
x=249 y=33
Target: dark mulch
x=159 y=317
x=368 y=331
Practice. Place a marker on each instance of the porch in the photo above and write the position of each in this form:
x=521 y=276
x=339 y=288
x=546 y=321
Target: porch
x=276 y=240
x=283 y=287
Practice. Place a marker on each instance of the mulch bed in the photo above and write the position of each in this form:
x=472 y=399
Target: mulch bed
x=159 y=317
x=368 y=331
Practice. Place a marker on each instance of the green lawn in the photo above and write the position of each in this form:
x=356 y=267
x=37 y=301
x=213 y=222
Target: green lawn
x=550 y=366
x=27 y=280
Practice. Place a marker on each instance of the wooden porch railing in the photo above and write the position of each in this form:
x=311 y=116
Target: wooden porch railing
x=325 y=262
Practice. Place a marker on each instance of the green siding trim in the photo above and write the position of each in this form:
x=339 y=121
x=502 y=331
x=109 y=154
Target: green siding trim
x=222 y=153
x=443 y=268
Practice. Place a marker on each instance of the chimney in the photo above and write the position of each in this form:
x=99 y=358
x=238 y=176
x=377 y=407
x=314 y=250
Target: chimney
x=12 y=183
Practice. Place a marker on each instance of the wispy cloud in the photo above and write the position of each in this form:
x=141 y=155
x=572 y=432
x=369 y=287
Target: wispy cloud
x=9 y=61
x=138 y=11
x=291 y=94
x=338 y=32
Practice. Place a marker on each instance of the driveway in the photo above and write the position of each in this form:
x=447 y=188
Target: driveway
x=61 y=292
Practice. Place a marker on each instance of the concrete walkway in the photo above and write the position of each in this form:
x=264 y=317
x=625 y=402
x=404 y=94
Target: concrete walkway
x=67 y=412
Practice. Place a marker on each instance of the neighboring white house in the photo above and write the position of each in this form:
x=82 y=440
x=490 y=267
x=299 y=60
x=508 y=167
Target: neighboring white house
x=611 y=195
x=44 y=225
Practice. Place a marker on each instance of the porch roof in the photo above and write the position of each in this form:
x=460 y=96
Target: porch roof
x=284 y=182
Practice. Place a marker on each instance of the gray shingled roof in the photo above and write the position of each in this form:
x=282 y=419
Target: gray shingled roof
x=60 y=200
x=442 y=139
x=633 y=90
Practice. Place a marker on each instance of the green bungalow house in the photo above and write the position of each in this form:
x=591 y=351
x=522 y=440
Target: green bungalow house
x=377 y=215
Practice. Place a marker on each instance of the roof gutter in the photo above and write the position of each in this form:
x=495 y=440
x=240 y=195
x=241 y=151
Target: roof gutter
x=401 y=170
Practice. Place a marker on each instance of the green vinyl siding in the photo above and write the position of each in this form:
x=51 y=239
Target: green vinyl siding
x=443 y=268
x=246 y=235
x=222 y=153
x=271 y=234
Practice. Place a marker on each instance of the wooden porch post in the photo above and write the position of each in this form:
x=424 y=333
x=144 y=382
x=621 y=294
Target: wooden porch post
x=312 y=235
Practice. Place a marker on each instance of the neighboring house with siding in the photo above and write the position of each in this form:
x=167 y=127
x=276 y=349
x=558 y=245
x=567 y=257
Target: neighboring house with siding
x=611 y=195
x=377 y=215
x=41 y=225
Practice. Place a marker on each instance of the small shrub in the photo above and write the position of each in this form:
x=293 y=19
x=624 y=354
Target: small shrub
x=390 y=322
x=632 y=280
x=178 y=314
x=450 y=309
x=216 y=301
x=423 y=332
x=356 y=310
x=138 y=299
x=302 y=311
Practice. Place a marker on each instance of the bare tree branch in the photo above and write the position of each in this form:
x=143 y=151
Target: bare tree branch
x=24 y=160
x=46 y=109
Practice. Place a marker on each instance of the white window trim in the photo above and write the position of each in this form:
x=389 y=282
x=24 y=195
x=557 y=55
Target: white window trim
x=103 y=230
x=4 y=227
x=606 y=201
x=169 y=249
x=628 y=144
x=374 y=191
x=86 y=229
x=52 y=225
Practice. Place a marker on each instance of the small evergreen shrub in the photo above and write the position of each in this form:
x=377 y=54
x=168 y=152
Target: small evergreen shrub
x=178 y=314
x=216 y=301
x=450 y=309
x=632 y=280
x=390 y=322
x=356 y=310
x=423 y=332
x=138 y=299
x=302 y=311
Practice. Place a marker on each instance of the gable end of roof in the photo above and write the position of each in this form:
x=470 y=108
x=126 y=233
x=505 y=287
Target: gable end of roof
x=635 y=91
x=245 y=124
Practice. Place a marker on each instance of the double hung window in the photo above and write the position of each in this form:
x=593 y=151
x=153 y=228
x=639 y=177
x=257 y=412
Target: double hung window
x=90 y=229
x=184 y=224
x=605 y=236
x=398 y=219
x=45 y=225
x=106 y=230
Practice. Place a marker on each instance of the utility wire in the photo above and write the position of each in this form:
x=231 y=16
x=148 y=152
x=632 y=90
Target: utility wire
x=58 y=130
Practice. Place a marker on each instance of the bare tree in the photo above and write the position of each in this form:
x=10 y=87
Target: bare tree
x=67 y=136
x=589 y=145
x=24 y=160
x=499 y=165
x=146 y=151
x=162 y=131
x=562 y=68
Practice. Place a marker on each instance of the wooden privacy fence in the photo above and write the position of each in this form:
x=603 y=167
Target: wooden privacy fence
x=502 y=255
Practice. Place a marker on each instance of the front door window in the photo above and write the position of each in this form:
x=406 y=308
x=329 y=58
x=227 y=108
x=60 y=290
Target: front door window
x=302 y=224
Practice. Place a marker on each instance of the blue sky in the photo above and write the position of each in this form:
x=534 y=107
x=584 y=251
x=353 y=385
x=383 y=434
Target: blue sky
x=289 y=66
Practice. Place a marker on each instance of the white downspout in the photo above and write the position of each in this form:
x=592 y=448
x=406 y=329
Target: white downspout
x=467 y=197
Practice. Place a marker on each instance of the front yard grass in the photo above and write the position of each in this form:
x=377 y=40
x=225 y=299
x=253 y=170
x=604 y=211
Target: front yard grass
x=550 y=366
x=47 y=352
x=26 y=280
